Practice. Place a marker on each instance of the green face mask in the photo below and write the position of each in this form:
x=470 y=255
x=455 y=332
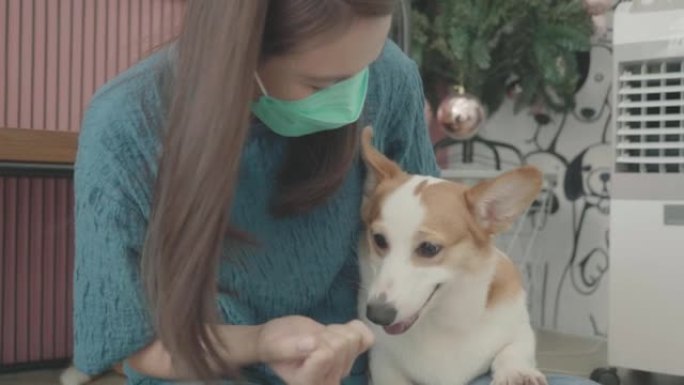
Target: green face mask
x=327 y=109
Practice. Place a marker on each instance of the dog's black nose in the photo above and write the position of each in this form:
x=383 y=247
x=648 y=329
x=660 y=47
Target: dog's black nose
x=381 y=313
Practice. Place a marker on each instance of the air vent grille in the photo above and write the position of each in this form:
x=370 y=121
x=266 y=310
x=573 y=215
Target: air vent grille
x=650 y=117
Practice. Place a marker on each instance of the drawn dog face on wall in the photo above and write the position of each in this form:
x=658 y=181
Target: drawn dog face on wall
x=549 y=203
x=587 y=184
x=592 y=93
x=588 y=177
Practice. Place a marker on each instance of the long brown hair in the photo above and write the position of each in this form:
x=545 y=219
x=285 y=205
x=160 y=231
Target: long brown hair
x=218 y=52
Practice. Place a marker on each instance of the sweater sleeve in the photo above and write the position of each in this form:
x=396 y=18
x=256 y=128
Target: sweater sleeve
x=110 y=319
x=410 y=140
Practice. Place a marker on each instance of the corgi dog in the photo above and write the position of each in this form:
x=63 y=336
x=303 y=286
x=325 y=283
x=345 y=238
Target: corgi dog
x=445 y=305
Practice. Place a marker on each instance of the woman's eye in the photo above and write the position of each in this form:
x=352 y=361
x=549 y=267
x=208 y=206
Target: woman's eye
x=319 y=87
x=380 y=241
x=428 y=250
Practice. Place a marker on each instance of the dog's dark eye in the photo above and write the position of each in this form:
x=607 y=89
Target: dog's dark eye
x=380 y=241
x=428 y=250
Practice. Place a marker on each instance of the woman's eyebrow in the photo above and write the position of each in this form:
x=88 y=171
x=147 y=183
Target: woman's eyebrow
x=334 y=78
x=328 y=78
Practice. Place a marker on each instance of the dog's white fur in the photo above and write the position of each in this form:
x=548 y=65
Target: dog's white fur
x=459 y=335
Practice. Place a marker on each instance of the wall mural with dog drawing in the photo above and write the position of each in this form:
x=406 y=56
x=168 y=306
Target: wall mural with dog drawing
x=564 y=240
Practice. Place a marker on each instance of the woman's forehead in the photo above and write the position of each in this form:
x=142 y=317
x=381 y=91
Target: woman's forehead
x=342 y=55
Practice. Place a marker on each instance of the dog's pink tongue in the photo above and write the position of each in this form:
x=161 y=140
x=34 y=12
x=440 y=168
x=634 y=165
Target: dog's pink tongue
x=400 y=327
x=397 y=328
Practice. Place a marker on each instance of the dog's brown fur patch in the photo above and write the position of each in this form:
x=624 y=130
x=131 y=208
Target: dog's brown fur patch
x=506 y=283
x=526 y=183
x=467 y=246
x=449 y=223
x=420 y=187
x=385 y=176
x=373 y=203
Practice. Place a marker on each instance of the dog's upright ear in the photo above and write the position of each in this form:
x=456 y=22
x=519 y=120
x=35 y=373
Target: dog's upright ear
x=379 y=166
x=495 y=204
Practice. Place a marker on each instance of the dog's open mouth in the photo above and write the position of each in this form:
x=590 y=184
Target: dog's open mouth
x=403 y=326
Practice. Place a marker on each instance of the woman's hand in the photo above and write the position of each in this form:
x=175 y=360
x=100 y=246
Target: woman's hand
x=303 y=352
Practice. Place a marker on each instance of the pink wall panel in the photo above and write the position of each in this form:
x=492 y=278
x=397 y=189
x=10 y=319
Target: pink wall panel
x=12 y=62
x=3 y=58
x=48 y=240
x=55 y=54
x=36 y=239
x=9 y=270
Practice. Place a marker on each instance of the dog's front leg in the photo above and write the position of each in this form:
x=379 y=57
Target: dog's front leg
x=383 y=370
x=515 y=363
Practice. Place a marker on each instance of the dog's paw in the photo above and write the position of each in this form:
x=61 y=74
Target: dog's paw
x=519 y=376
x=73 y=376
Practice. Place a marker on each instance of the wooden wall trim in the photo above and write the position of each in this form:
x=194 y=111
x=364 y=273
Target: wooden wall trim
x=37 y=146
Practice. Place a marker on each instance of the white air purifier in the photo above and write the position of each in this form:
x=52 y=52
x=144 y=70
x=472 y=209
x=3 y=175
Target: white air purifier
x=646 y=306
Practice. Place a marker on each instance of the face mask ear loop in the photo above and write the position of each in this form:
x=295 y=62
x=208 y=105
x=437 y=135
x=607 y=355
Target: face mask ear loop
x=261 y=84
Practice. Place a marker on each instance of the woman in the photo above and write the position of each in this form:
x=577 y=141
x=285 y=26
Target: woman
x=217 y=220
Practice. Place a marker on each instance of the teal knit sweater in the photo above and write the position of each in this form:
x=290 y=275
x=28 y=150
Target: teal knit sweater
x=304 y=265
